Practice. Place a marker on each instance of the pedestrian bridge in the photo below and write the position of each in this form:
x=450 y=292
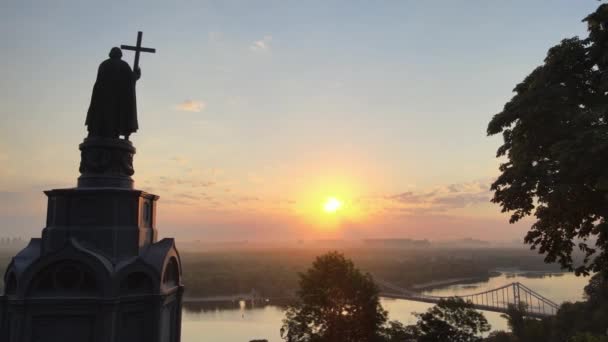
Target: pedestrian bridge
x=497 y=300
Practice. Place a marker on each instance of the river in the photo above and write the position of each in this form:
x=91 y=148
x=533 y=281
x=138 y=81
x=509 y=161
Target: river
x=237 y=322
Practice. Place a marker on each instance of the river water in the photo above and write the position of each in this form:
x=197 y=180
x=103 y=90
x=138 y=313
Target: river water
x=237 y=322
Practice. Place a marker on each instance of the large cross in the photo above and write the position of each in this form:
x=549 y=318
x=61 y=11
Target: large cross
x=137 y=48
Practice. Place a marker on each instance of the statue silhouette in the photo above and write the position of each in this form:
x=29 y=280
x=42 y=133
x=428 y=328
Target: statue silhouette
x=113 y=108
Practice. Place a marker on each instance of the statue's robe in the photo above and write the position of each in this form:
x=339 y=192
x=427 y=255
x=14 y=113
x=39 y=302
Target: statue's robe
x=113 y=110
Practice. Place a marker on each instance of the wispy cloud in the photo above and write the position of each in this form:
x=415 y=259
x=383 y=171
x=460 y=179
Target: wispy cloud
x=261 y=45
x=180 y=160
x=440 y=199
x=190 y=183
x=191 y=106
x=248 y=199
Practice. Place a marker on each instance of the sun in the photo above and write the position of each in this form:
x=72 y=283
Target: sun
x=332 y=205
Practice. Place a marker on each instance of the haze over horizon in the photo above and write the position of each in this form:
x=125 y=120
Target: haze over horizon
x=276 y=120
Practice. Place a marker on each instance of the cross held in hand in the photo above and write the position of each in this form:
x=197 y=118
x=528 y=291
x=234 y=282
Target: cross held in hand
x=137 y=48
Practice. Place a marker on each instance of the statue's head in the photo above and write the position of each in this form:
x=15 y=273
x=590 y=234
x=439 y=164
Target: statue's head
x=116 y=53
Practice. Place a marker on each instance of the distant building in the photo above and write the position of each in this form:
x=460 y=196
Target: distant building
x=11 y=242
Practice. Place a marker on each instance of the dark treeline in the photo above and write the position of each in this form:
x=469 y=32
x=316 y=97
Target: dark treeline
x=273 y=272
x=11 y=242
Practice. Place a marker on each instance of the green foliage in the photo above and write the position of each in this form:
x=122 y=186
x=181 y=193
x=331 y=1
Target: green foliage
x=597 y=289
x=555 y=132
x=590 y=316
x=500 y=336
x=537 y=330
x=228 y=272
x=586 y=337
x=516 y=320
x=397 y=332
x=450 y=320
x=570 y=319
x=336 y=302
x=573 y=318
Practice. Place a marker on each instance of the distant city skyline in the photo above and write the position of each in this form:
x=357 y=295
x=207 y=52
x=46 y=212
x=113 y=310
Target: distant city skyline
x=253 y=115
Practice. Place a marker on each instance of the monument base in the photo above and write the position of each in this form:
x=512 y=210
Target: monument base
x=77 y=295
x=98 y=274
x=106 y=162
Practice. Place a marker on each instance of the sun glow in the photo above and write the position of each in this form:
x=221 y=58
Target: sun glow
x=328 y=203
x=332 y=205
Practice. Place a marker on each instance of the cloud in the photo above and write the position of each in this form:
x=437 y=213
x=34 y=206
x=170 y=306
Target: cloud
x=261 y=45
x=188 y=195
x=248 y=199
x=180 y=160
x=462 y=200
x=411 y=197
x=440 y=199
x=190 y=183
x=191 y=106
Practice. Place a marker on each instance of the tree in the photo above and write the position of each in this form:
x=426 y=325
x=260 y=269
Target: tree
x=596 y=292
x=515 y=317
x=452 y=320
x=397 y=332
x=500 y=336
x=336 y=302
x=586 y=337
x=555 y=132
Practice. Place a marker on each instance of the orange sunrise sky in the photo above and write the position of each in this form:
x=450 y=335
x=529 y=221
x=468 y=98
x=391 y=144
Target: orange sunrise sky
x=276 y=120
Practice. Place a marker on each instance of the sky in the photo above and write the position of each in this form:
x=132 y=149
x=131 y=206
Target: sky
x=253 y=113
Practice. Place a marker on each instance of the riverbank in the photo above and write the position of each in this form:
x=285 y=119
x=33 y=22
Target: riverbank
x=453 y=281
x=227 y=298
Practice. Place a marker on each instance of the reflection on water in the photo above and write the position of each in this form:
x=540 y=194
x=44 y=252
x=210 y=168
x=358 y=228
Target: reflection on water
x=233 y=321
x=203 y=307
x=244 y=321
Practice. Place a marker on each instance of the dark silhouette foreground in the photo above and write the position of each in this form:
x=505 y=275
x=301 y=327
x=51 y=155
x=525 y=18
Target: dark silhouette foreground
x=555 y=133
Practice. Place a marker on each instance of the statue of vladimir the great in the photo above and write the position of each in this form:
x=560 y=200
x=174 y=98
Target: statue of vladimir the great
x=113 y=108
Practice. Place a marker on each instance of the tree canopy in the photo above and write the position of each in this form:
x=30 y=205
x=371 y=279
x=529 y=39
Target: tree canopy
x=336 y=302
x=451 y=319
x=555 y=133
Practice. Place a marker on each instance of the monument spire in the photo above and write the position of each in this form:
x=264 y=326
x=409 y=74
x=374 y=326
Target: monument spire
x=98 y=273
x=107 y=160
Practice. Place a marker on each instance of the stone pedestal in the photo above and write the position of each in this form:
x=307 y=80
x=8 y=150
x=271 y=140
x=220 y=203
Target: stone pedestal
x=106 y=162
x=98 y=274
x=114 y=222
